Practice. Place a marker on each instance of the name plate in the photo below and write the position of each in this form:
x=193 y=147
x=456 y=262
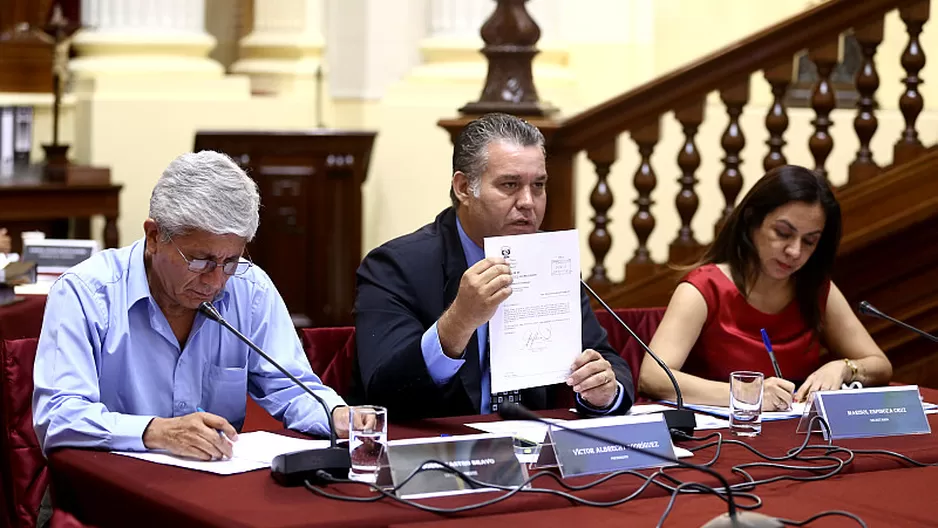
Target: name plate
x=56 y=256
x=579 y=455
x=862 y=413
x=485 y=457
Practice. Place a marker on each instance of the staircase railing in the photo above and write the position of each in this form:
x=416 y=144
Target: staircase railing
x=639 y=113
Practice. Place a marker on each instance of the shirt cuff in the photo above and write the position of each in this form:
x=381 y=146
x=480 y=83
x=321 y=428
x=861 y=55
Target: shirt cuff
x=620 y=392
x=441 y=367
x=128 y=432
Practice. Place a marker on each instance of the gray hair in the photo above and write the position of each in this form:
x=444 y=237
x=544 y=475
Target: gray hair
x=205 y=191
x=471 y=148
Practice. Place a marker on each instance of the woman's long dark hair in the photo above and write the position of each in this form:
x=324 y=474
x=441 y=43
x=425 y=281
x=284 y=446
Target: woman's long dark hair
x=734 y=245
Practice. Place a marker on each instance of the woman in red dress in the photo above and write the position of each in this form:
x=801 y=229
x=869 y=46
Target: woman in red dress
x=769 y=268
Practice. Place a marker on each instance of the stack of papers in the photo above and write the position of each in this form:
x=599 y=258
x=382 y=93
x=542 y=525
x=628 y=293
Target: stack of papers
x=251 y=452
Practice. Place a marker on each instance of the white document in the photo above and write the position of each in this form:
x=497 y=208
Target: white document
x=535 y=334
x=797 y=410
x=252 y=451
x=527 y=430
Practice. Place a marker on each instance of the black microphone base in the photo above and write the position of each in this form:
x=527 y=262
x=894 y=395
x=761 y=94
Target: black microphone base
x=745 y=519
x=681 y=423
x=292 y=469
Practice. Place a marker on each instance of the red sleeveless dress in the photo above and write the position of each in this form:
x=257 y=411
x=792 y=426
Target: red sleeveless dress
x=731 y=339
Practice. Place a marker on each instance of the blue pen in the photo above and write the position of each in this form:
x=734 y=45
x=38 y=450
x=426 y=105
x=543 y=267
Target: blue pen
x=768 y=348
x=220 y=432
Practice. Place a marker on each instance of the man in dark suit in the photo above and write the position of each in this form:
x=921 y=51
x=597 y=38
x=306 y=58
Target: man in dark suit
x=425 y=299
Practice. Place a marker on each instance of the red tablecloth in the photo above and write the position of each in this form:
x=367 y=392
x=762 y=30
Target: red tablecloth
x=110 y=490
x=23 y=318
x=897 y=498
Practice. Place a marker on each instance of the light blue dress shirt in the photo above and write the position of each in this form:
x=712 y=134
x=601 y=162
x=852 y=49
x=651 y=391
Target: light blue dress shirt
x=108 y=361
x=442 y=368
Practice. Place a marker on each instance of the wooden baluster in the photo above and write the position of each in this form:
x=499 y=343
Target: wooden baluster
x=867 y=81
x=823 y=101
x=776 y=120
x=601 y=199
x=685 y=248
x=733 y=141
x=643 y=223
x=913 y=60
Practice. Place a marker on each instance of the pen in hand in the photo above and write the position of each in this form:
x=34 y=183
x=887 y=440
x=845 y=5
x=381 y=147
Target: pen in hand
x=220 y=432
x=768 y=348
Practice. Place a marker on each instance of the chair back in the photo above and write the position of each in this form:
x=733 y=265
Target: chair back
x=643 y=321
x=23 y=472
x=331 y=354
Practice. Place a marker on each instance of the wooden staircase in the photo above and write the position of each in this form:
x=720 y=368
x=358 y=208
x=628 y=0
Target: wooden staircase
x=889 y=253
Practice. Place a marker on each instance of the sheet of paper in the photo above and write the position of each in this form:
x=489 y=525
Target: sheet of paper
x=797 y=410
x=535 y=334
x=252 y=451
x=527 y=430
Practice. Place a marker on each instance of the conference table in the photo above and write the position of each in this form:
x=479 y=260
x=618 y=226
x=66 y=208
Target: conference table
x=104 y=489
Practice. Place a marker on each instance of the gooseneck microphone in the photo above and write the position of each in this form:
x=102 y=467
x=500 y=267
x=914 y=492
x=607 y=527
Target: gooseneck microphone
x=681 y=422
x=292 y=469
x=866 y=308
x=732 y=518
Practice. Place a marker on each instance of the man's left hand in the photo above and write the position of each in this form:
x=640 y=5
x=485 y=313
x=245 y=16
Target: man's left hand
x=593 y=379
x=340 y=417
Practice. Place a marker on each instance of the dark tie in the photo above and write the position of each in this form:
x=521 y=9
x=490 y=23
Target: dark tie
x=498 y=397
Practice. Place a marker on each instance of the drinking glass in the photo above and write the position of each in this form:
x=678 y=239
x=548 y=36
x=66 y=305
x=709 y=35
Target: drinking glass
x=368 y=440
x=746 y=403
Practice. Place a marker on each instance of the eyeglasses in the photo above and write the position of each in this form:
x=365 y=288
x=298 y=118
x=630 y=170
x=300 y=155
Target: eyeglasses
x=234 y=266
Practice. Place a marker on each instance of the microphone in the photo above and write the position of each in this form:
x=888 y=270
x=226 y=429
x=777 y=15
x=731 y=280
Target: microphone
x=732 y=518
x=866 y=308
x=681 y=422
x=292 y=469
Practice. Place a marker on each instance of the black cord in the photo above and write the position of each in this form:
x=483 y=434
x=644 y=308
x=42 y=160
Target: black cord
x=702 y=488
x=831 y=464
x=893 y=454
x=511 y=490
x=829 y=513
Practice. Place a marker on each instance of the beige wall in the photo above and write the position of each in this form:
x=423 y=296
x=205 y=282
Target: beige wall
x=136 y=126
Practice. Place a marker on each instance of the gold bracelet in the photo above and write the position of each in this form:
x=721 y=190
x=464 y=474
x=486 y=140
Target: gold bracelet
x=853 y=369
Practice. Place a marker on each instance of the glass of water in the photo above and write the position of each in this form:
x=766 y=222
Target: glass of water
x=368 y=440
x=746 y=403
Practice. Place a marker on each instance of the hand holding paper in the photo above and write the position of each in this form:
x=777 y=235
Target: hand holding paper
x=593 y=379
x=482 y=289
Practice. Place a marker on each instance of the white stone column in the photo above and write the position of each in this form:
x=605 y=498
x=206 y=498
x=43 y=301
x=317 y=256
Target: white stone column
x=284 y=51
x=143 y=37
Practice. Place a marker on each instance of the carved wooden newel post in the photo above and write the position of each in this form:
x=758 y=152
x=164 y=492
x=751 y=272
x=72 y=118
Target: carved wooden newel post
x=510 y=37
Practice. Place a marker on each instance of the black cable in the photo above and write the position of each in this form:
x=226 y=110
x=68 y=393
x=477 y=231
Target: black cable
x=832 y=465
x=829 y=513
x=512 y=490
x=893 y=454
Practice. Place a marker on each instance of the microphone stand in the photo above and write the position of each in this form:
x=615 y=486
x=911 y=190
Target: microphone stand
x=681 y=422
x=292 y=469
x=866 y=308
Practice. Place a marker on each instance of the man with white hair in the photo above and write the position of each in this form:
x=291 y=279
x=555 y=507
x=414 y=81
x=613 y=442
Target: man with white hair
x=127 y=362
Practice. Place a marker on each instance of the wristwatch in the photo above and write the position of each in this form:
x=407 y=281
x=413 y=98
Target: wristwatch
x=853 y=369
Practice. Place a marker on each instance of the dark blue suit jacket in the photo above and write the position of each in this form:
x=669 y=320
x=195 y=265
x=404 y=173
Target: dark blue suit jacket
x=404 y=287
